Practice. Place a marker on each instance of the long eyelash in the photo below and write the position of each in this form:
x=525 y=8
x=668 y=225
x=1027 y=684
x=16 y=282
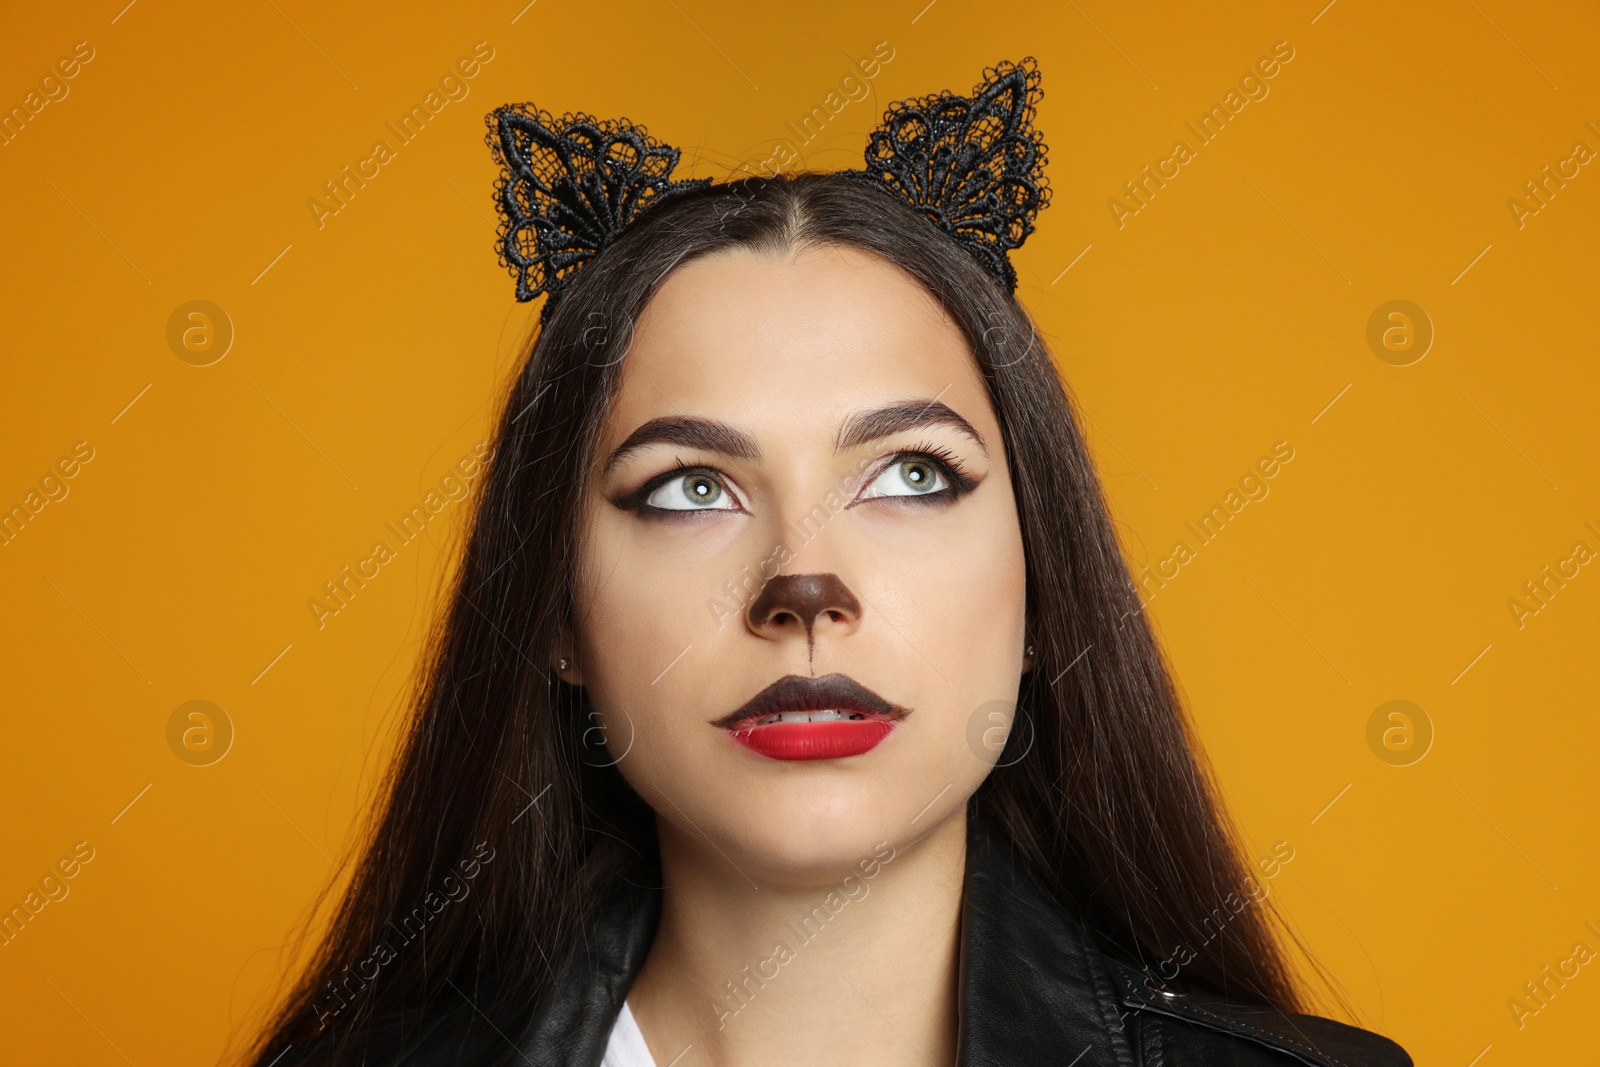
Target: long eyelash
x=950 y=459
x=635 y=501
x=949 y=463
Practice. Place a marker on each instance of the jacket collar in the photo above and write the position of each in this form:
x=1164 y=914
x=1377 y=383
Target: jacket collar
x=1034 y=988
x=1034 y=985
x=1031 y=984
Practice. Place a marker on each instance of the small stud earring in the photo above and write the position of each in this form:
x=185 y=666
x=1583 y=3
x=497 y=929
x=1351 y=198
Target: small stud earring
x=562 y=664
x=1030 y=650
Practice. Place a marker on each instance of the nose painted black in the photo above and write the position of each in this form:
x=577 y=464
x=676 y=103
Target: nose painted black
x=786 y=599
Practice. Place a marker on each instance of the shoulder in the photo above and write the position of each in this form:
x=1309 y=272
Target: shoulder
x=1199 y=1027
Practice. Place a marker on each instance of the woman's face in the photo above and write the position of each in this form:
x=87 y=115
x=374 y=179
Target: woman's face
x=815 y=419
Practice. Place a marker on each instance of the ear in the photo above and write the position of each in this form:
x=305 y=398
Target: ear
x=565 y=651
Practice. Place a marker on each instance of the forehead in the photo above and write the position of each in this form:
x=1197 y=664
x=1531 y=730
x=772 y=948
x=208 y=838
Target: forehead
x=783 y=342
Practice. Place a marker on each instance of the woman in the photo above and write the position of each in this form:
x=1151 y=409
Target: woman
x=793 y=702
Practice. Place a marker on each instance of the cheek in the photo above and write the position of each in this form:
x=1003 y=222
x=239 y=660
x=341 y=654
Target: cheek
x=636 y=613
x=645 y=625
x=953 y=616
x=958 y=598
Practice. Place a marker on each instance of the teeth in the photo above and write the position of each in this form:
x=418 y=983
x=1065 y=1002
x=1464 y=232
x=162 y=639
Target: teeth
x=824 y=715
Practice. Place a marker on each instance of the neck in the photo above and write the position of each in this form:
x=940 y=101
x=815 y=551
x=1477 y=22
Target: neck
x=835 y=970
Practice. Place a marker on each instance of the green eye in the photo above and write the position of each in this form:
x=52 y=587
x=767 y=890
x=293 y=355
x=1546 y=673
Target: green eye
x=694 y=491
x=908 y=477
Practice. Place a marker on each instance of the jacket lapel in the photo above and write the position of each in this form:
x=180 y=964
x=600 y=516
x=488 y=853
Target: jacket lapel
x=575 y=1020
x=1032 y=989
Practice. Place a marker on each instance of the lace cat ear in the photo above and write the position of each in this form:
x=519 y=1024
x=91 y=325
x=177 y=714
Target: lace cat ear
x=973 y=165
x=568 y=187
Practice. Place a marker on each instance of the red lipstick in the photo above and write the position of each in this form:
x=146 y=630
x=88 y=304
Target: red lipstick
x=797 y=718
x=814 y=740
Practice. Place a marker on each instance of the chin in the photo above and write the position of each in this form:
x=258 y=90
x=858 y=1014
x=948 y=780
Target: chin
x=797 y=848
x=803 y=822
x=813 y=829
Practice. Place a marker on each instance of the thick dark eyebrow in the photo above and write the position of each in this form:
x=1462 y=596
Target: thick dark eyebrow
x=859 y=429
x=690 y=432
x=882 y=422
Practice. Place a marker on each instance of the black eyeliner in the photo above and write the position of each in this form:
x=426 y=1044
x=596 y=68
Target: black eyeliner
x=942 y=459
x=635 y=500
x=948 y=463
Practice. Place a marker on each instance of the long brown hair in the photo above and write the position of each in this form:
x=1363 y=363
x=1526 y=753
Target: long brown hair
x=1101 y=787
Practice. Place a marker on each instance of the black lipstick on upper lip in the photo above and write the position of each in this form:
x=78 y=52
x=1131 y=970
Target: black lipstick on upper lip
x=793 y=692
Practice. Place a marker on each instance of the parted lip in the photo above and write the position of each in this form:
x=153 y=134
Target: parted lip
x=793 y=692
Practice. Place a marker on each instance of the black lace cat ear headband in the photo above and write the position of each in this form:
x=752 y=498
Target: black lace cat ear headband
x=570 y=186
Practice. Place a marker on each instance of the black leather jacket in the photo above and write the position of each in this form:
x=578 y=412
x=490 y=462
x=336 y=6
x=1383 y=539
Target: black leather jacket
x=1034 y=990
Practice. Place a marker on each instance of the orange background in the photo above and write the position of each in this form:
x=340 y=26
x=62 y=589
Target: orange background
x=1228 y=314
